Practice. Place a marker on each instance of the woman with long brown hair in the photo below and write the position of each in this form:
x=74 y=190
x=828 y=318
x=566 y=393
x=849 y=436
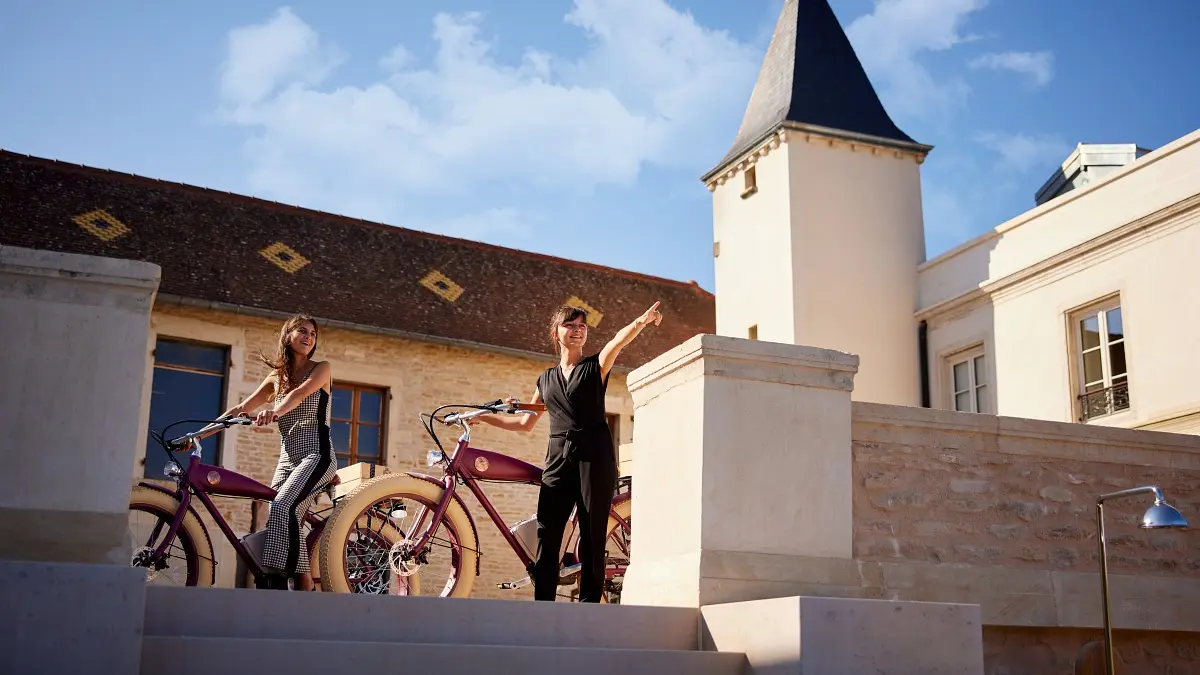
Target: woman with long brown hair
x=581 y=463
x=300 y=392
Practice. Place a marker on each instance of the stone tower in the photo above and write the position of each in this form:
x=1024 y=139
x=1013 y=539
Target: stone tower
x=817 y=218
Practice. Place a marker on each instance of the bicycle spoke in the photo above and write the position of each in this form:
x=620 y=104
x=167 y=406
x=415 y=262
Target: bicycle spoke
x=378 y=553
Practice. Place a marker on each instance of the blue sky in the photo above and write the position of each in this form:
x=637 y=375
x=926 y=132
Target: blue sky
x=576 y=128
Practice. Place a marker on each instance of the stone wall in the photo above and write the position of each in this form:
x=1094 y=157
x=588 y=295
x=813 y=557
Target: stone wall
x=419 y=376
x=1037 y=651
x=1015 y=500
x=959 y=489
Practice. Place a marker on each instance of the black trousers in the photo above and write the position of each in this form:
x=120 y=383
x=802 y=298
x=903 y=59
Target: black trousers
x=589 y=485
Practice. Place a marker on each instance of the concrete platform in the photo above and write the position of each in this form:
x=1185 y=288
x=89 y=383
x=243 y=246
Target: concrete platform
x=261 y=614
x=65 y=618
x=843 y=636
x=233 y=656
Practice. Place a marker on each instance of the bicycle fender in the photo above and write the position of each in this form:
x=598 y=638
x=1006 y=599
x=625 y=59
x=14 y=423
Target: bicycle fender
x=470 y=519
x=570 y=543
x=191 y=506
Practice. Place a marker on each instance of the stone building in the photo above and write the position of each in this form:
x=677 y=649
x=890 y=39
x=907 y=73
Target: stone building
x=1082 y=309
x=409 y=321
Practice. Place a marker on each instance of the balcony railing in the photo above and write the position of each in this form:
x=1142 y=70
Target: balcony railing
x=1103 y=402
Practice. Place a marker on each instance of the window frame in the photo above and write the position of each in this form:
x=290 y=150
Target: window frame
x=614 y=428
x=749 y=181
x=971 y=356
x=218 y=440
x=1109 y=384
x=351 y=453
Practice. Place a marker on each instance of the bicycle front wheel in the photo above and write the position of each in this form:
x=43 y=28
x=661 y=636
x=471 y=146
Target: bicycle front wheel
x=364 y=548
x=188 y=561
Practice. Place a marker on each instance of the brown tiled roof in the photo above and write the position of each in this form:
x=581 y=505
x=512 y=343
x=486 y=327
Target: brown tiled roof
x=223 y=248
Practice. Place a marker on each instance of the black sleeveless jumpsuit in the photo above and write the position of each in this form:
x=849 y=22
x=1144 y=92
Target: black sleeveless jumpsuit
x=581 y=470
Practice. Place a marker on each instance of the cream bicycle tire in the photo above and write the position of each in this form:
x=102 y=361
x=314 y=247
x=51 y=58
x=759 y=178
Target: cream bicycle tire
x=623 y=510
x=191 y=527
x=345 y=515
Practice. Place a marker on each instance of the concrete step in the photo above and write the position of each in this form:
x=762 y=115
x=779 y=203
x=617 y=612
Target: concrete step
x=263 y=614
x=235 y=656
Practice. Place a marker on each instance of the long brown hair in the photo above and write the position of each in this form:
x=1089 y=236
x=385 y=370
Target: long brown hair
x=285 y=358
x=562 y=315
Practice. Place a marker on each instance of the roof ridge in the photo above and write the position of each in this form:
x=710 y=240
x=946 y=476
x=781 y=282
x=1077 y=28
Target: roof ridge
x=361 y=222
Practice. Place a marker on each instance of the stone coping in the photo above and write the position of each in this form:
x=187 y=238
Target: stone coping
x=1007 y=596
x=752 y=359
x=98 y=269
x=1037 y=438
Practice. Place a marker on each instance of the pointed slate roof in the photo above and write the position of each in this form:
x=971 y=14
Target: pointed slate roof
x=812 y=78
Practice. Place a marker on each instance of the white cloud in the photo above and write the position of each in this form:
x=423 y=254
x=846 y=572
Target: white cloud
x=891 y=40
x=396 y=59
x=651 y=81
x=1039 y=66
x=1024 y=152
x=264 y=56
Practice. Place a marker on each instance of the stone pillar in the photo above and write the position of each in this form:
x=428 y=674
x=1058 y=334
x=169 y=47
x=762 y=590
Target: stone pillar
x=743 y=461
x=76 y=332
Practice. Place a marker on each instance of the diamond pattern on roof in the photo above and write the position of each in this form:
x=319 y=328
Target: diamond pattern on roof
x=101 y=224
x=284 y=257
x=362 y=273
x=442 y=285
x=594 y=316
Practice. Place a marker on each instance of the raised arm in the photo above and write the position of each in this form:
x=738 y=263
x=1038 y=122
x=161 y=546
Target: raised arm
x=608 y=355
x=524 y=422
x=255 y=401
x=321 y=375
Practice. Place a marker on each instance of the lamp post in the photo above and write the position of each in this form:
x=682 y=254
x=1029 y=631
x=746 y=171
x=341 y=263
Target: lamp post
x=1160 y=515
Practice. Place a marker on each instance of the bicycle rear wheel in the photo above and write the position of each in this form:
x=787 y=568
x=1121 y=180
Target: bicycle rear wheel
x=616 y=558
x=188 y=560
x=363 y=548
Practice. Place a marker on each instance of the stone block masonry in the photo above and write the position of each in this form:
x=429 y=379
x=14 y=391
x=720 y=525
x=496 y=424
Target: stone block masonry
x=1014 y=650
x=1002 y=511
x=954 y=491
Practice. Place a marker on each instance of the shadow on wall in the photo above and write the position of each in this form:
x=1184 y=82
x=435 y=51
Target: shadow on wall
x=1090 y=659
x=958 y=368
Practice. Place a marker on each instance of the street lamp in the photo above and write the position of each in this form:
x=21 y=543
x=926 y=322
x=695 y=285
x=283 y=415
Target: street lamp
x=1161 y=515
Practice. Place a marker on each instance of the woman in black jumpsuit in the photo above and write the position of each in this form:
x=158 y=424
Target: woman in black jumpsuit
x=581 y=463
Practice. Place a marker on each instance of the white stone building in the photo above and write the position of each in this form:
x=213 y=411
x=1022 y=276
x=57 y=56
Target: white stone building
x=1085 y=308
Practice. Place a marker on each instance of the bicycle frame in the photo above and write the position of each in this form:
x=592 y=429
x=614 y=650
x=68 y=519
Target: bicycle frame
x=471 y=465
x=204 y=480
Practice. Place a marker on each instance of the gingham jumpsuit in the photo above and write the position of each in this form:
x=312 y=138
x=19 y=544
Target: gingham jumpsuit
x=306 y=465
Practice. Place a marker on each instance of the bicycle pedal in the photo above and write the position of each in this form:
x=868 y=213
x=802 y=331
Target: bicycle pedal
x=513 y=585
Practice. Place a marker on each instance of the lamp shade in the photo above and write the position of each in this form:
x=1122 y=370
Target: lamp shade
x=1162 y=515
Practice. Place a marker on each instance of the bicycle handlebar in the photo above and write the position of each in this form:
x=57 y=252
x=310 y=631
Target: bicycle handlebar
x=495 y=407
x=220 y=424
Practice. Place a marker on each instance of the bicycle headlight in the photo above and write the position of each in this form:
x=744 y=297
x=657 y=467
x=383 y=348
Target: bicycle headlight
x=172 y=470
x=434 y=457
